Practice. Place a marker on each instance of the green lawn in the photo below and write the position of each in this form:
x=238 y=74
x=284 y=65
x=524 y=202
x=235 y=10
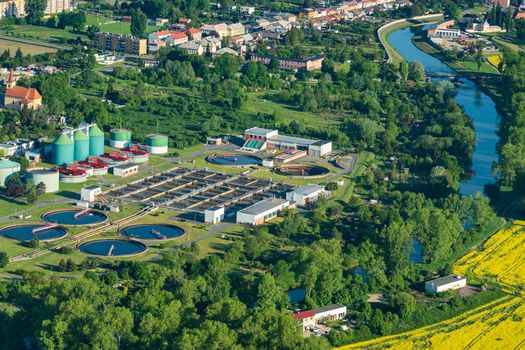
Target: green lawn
x=257 y=103
x=113 y=26
x=27 y=49
x=41 y=33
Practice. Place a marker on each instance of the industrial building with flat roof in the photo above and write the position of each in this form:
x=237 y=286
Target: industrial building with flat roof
x=443 y=284
x=257 y=139
x=260 y=212
x=307 y=194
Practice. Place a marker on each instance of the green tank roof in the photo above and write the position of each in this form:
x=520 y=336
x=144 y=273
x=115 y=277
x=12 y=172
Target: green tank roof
x=157 y=140
x=63 y=139
x=7 y=164
x=79 y=135
x=95 y=131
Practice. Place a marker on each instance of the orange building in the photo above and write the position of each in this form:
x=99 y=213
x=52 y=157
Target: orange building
x=19 y=97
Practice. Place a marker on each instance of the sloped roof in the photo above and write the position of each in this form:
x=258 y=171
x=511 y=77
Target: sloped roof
x=23 y=92
x=303 y=314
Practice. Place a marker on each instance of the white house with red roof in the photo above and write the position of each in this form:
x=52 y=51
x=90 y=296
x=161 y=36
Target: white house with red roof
x=325 y=314
x=177 y=38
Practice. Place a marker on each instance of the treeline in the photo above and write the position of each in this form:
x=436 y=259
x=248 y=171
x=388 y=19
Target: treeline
x=511 y=148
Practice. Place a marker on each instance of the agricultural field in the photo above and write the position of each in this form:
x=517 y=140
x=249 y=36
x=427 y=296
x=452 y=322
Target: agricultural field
x=497 y=325
x=27 y=49
x=495 y=60
x=501 y=259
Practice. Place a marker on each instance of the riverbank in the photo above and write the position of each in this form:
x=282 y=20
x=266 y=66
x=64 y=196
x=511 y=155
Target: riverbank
x=383 y=32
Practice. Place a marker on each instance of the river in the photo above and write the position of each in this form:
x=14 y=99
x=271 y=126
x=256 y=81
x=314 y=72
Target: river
x=475 y=103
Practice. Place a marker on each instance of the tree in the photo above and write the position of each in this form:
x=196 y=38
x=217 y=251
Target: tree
x=520 y=29
x=403 y=303
x=15 y=188
x=34 y=10
x=138 y=23
x=403 y=69
x=4 y=259
x=416 y=71
x=40 y=188
x=268 y=295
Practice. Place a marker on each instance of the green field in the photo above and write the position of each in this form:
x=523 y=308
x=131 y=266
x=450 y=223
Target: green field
x=113 y=26
x=41 y=33
x=27 y=49
x=259 y=102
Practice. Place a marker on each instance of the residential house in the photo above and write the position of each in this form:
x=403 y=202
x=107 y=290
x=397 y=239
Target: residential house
x=311 y=318
x=220 y=29
x=223 y=51
x=177 y=38
x=247 y=10
x=193 y=47
x=160 y=22
x=193 y=34
x=235 y=29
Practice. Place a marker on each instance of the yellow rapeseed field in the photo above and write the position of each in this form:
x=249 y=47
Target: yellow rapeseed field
x=501 y=259
x=495 y=60
x=496 y=325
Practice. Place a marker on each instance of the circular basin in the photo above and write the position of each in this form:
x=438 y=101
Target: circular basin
x=152 y=231
x=302 y=170
x=27 y=232
x=75 y=217
x=233 y=159
x=113 y=247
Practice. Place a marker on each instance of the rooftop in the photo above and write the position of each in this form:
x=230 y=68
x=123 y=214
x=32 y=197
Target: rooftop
x=328 y=308
x=91 y=187
x=125 y=166
x=263 y=206
x=446 y=280
x=23 y=92
x=308 y=189
x=259 y=131
x=304 y=314
x=293 y=139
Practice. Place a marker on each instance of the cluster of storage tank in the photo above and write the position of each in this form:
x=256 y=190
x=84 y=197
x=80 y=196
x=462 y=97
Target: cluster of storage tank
x=66 y=151
x=155 y=143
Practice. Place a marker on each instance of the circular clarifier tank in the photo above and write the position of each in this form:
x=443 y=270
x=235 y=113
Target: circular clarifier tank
x=75 y=217
x=27 y=232
x=233 y=159
x=302 y=171
x=113 y=247
x=152 y=231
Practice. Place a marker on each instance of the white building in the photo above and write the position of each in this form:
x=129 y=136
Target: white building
x=125 y=170
x=247 y=10
x=307 y=194
x=330 y=313
x=260 y=212
x=16 y=147
x=325 y=314
x=214 y=215
x=89 y=193
x=257 y=139
x=443 y=284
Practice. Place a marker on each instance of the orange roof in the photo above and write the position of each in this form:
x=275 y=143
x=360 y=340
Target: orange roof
x=22 y=92
x=520 y=15
x=163 y=32
x=178 y=35
x=193 y=31
x=304 y=314
x=184 y=20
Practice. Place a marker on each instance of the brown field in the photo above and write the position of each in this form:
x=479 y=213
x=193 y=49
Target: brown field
x=27 y=49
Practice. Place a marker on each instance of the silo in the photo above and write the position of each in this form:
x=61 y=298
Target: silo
x=62 y=150
x=119 y=138
x=7 y=168
x=157 y=144
x=49 y=177
x=96 y=141
x=81 y=145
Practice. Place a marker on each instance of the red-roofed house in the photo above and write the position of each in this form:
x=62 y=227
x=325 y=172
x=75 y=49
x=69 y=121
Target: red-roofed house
x=307 y=319
x=184 y=21
x=19 y=97
x=177 y=38
x=519 y=15
x=161 y=34
x=194 y=33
